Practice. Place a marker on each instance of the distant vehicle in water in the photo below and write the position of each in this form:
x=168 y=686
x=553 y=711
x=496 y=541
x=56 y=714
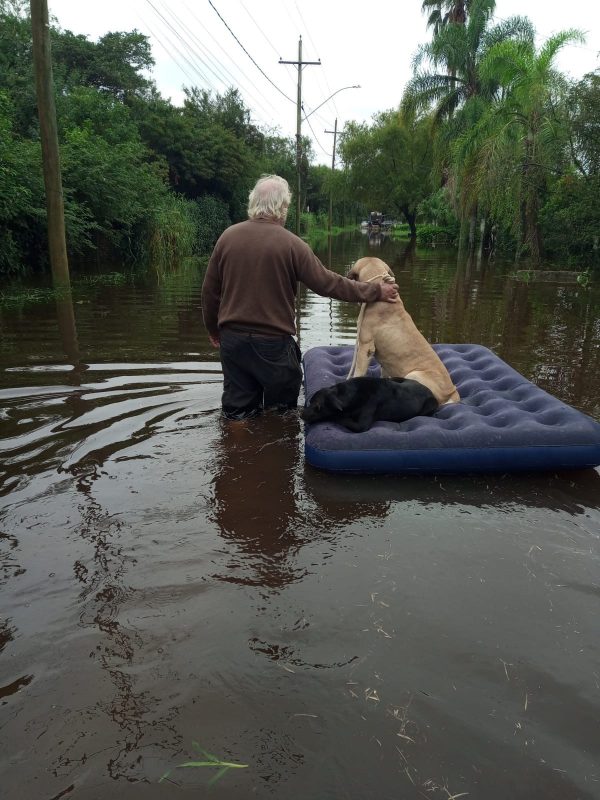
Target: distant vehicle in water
x=378 y=221
x=375 y=220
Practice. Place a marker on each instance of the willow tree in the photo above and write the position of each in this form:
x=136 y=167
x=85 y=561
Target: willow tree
x=390 y=162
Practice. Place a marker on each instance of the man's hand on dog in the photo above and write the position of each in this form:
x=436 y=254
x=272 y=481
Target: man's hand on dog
x=388 y=292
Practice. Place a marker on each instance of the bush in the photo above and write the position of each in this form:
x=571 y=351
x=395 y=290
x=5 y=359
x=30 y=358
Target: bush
x=436 y=234
x=22 y=199
x=211 y=217
x=171 y=233
x=436 y=210
x=570 y=221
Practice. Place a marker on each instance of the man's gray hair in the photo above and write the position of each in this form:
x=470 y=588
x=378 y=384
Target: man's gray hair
x=270 y=198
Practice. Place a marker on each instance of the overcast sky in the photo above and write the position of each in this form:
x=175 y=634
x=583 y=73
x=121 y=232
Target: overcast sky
x=368 y=44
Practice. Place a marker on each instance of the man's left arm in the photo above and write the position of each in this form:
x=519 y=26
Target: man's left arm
x=314 y=274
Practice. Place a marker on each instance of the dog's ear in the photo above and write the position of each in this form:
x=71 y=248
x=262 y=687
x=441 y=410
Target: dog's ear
x=336 y=403
x=353 y=274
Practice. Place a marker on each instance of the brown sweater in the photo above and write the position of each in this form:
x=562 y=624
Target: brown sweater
x=252 y=277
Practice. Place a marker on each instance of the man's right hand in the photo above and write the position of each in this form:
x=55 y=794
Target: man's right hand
x=214 y=340
x=389 y=292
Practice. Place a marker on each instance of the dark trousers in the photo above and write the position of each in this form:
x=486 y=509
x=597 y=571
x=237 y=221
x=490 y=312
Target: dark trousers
x=258 y=372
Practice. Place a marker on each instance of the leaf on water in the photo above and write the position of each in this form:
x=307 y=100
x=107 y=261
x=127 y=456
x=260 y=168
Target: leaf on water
x=211 y=761
x=219 y=774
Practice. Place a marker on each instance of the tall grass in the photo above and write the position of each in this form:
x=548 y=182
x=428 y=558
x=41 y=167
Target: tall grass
x=180 y=228
x=171 y=234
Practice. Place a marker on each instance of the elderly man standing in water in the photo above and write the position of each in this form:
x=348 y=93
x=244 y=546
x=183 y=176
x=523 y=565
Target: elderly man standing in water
x=249 y=302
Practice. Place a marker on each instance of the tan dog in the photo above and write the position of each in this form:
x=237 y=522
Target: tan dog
x=387 y=331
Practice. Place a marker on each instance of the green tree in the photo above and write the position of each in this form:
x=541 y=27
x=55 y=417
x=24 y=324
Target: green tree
x=460 y=49
x=390 y=162
x=106 y=169
x=524 y=123
x=583 y=105
x=22 y=206
x=112 y=65
x=452 y=82
x=16 y=66
x=570 y=216
x=209 y=145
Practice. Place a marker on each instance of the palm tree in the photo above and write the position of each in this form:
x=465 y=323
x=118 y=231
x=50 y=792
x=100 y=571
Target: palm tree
x=460 y=94
x=460 y=48
x=523 y=122
x=442 y=12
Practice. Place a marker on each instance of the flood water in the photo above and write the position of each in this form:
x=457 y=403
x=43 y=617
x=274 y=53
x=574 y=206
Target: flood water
x=169 y=584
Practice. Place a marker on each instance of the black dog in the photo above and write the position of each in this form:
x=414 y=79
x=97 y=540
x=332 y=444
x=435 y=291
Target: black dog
x=359 y=402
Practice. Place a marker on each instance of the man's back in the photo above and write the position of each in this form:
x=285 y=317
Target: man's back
x=253 y=275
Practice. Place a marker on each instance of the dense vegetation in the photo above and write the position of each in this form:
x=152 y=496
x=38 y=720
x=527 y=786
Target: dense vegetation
x=142 y=178
x=490 y=147
x=515 y=163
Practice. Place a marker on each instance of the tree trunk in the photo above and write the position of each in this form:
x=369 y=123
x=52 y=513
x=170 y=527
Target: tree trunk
x=481 y=240
x=532 y=181
x=411 y=217
x=472 y=227
x=462 y=236
x=522 y=231
x=533 y=232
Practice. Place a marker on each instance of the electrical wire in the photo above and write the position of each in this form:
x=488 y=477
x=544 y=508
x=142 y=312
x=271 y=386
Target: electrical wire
x=236 y=80
x=196 y=46
x=314 y=134
x=166 y=49
x=269 y=42
x=203 y=60
x=248 y=54
x=177 y=36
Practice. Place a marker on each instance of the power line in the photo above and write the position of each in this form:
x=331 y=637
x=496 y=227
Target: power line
x=218 y=65
x=166 y=49
x=314 y=134
x=177 y=36
x=236 y=80
x=248 y=54
x=266 y=38
x=197 y=58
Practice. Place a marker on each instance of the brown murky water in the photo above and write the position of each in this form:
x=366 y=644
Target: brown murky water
x=169 y=584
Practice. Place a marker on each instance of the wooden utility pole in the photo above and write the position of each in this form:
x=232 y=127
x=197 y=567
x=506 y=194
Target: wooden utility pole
x=299 y=64
x=42 y=63
x=334 y=131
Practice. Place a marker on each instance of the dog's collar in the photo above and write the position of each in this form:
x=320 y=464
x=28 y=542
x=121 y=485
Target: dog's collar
x=387 y=278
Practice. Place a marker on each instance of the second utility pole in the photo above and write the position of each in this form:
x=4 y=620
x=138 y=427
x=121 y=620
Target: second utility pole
x=299 y=64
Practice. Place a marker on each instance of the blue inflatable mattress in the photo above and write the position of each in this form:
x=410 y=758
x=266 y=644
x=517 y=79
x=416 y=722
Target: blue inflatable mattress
x=504 y=423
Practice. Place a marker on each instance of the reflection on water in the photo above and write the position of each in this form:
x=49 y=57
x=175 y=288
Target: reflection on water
x=169 y=578
x=255 y=502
